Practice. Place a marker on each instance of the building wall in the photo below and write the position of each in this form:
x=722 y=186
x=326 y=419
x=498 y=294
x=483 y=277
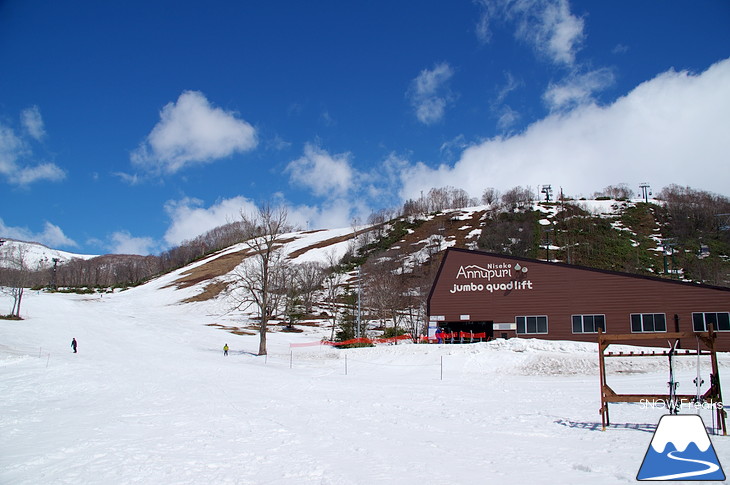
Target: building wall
x=476 y=286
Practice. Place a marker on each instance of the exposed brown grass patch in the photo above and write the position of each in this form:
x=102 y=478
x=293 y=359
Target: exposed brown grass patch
x=447 y=225
x=210 y=291
x=233 y=330
x=213 y=268
x=207 y=271
x=326 y=242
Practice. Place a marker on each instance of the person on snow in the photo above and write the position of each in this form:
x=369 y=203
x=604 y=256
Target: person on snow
x=74 y=344
x=225 y=349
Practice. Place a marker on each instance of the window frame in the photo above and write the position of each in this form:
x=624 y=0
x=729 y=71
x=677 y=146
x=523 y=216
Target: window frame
x=583 y=323
x=526 y=325
x=644 y=324
x=704 y=321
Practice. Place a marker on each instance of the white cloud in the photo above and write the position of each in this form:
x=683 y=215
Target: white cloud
x=51 y=236
x=559 y=32
x=33 y=122
x=510 y=84
x=190 y=219
x=191 y=131
x=332 y=214
x=547 y=26
x=324 y=174
x=11 y=148
x=14 y=150
x=670 y=129
x=129 y=178
x=429 y=94
x=124 y=243
x=44 y=171
x=577 y=89
x=507 y=117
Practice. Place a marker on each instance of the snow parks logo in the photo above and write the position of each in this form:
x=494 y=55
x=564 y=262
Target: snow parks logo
x=681 y=450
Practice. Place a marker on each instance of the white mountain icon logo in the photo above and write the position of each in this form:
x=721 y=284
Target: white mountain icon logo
x=681 y=450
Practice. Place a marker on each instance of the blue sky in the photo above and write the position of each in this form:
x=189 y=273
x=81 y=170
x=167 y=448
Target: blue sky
x=130 y=127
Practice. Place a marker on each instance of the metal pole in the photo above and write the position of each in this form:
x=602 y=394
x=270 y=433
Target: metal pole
x=359 y=307
x=291 y=358
x=345 y=364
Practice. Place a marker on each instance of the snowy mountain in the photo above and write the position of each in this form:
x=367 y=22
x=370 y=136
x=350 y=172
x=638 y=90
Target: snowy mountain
x=619 y=235
x=35 y=255
x=681 y=433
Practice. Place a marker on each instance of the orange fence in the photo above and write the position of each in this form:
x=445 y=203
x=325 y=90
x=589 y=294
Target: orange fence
x=462 y=335
x=368 y=341
x=444 y=338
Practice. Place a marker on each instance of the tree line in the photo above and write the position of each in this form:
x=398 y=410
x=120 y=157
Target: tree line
x=393 y=291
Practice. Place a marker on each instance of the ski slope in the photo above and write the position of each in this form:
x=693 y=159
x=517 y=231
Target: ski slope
x=151 y=399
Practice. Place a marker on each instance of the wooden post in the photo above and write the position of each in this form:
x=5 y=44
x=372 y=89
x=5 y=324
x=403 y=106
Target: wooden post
x=602 y=375
x=715 y=387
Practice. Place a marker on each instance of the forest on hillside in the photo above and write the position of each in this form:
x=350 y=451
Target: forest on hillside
x=683 y=233
x=686 y=235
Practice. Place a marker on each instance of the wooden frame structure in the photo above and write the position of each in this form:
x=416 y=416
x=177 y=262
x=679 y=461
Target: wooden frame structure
x=713 y=396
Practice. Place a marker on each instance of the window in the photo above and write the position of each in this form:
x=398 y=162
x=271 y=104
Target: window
x=648 y=322
x=720 y=321
x=588 y=323
x=536 y=324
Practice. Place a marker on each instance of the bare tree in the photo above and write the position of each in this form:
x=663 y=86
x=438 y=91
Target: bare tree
x=383 y=282
x=490 y=196
x=18 y=274
x=286 y=292
x=310 y=276
x=439 y=199
x=257 y=276
x=618 y=192
x=460 y=199
x=332 y=283
x=518 y=198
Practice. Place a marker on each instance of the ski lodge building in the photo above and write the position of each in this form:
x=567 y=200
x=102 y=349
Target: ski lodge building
x=505 y=296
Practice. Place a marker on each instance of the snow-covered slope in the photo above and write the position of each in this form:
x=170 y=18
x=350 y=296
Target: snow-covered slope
x=35 y=255
x=151 y=399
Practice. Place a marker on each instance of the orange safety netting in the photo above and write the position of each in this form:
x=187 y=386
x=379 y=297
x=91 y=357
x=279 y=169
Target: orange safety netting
x=445 y=337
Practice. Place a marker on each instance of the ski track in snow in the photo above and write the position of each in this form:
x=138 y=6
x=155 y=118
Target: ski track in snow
x=711 y=468
x=150 y=399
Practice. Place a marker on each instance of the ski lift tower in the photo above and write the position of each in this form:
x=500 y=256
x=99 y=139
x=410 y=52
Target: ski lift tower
x=53 y=274
x=645 y=191
x=548 y=191
x=668 y=245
